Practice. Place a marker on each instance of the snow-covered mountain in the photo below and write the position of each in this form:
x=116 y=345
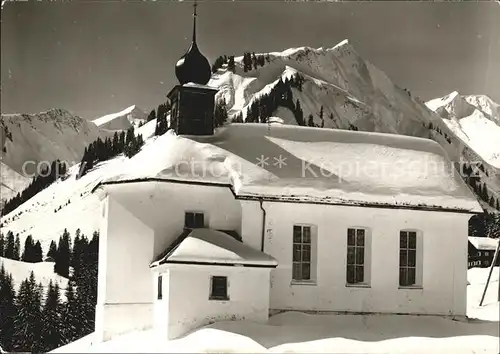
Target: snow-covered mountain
x=475 y=120
x=30 y=140
x=130 y=116
x=351 y=91
x=11 y=182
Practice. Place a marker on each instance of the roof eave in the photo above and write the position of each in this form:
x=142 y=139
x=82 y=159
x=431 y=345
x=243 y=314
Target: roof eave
x=255 y=264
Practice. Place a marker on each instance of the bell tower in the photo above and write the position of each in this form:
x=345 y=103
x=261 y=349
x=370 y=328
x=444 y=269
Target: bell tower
x=192 y=101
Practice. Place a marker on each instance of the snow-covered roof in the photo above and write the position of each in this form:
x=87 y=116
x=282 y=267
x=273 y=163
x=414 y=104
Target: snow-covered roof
x=282 y=162
x=483 y=243
x=208 y=246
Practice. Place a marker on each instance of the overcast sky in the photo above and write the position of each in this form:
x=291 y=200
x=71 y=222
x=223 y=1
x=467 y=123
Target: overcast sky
x=98 y=57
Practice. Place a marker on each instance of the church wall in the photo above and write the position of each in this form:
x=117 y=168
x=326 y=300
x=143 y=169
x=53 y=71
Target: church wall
x=442 y=252
x=139 y=222
x=124 y=290
x=161 y=206
x=248 y=290
x=251 y=223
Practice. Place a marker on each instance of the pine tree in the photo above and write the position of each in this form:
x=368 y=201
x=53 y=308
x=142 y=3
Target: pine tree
x=28 y=322
x=254 y=61
x=310 y=121
x=51 y=333
x=151 y=116
x=231 y=64
x=17 y=248
x=484 y=193
x=70 y=320
x=29 y=246
x=299 y=114
x=86 y=285
x=8 y=309
x=321 y=113
x=37 y=252
x=10 y=245
x=2 y=245
x=494 y=226
x=62 y=260
x=52 y=250
x=220 y=113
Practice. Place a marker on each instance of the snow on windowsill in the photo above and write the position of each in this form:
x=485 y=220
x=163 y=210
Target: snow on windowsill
x=304 y=282
x=358 y=285
x=413 y=287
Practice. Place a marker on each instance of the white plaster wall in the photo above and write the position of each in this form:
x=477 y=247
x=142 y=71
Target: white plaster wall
x=123 y=318
x=444 y=255
x=125 y=296
x=139 y=221
x=251 y=223
x=162 y=205
x=161 y=314
x=189 y=290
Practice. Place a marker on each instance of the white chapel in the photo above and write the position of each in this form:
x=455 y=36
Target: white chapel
x=246 y=220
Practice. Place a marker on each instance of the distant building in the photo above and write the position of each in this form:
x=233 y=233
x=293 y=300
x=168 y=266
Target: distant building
x=481 y=252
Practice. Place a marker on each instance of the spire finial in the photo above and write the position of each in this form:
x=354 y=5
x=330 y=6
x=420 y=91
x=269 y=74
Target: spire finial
x=194 y=21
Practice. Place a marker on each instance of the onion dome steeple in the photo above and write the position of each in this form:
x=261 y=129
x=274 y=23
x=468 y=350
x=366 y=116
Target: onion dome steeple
x=193 y=66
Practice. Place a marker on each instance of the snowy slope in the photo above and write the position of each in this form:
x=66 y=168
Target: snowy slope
x=295 y=332
x=30 y=139
x=121 y=120
x=44 y=273
x=11 y=182
x=475 y=120
x=38 y=215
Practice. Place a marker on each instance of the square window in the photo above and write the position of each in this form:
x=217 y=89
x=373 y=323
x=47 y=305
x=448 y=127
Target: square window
x=218 y=289
x=193 y=220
